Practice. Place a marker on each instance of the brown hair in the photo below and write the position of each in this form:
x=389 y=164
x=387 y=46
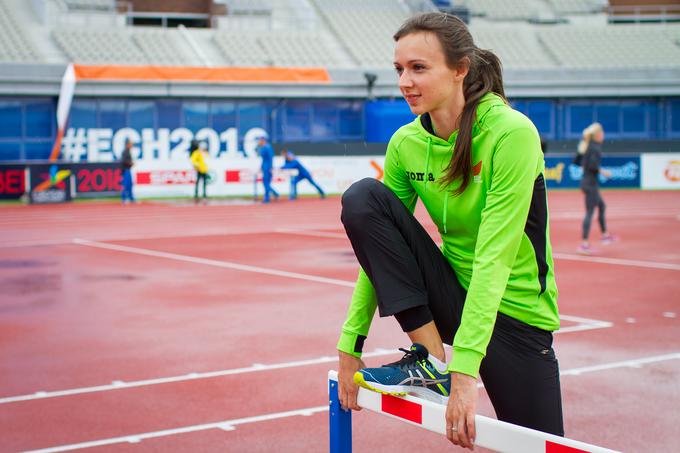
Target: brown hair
x=485 y=75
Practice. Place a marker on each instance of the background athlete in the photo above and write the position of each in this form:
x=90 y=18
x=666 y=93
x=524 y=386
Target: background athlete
x=590 y=150
x=291 y=162
x=266 y=153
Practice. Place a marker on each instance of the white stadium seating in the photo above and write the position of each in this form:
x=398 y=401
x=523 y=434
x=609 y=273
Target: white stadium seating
x=351 y=34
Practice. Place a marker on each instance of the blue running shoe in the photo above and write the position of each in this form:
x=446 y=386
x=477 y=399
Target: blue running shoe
x=413 y=374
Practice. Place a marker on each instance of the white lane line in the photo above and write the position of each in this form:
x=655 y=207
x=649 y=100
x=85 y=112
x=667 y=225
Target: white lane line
x=210 y=232
x=319 y=234
x=635 y=363
x=617 y=261
x=216 y=263
x=230 y=425
x=659 y=214
x=563 y=256
x=584 y=324
x=226 y=425
x=118 y=384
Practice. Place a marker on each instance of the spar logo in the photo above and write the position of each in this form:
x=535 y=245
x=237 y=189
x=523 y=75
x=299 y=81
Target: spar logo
x=166 y=177
x=170 y=177
x=672 y=171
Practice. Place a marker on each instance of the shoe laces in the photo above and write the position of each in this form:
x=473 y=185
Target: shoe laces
x=410 y=357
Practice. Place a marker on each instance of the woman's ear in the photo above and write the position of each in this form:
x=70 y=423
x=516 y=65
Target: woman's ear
x=462 y=69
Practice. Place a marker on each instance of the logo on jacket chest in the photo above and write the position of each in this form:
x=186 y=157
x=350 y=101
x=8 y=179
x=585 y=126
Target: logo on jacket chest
x=419 y=176
x=477 y=172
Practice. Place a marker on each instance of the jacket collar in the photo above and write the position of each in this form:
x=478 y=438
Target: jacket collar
x=488 y=101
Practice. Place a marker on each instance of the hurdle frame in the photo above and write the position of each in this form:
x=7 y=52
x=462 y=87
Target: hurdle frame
x=491 y=433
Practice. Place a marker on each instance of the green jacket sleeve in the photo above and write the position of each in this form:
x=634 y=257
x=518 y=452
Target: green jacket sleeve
x=516 y=162
x=363 y=304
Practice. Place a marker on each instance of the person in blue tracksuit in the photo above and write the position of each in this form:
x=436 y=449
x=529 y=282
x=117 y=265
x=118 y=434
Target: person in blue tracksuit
x=126 y=163
x=267 y=154
x=292 y=163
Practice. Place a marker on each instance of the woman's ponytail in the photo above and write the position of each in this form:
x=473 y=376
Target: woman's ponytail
x=485 y=74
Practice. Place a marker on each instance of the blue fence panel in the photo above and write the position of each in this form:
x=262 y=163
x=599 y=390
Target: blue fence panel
x=112 y=113
x=11 y=114
x=351 y=120
x=384 y=117
x=141 y=114
x=673 y=118
x=40 y=119
x=10 y=151
x=195 y=115
x=169 y=114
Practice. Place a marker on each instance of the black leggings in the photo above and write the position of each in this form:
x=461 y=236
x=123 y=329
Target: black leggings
x=415 y=283
x=593 y=200
x=200 y=177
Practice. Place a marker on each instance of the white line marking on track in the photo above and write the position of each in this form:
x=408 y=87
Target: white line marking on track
x=618 y=261
x=564 y=256
x=230 y=425
x=216 y=263
x=320 y=234
x=118 y=384
x=585 y=324
x=118 y=236
x=635 y=363
x=227 y=425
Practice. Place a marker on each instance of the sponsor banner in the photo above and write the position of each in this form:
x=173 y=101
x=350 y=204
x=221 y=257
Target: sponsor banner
x=12 y=181
x=242 y=177
x=96 y=179
x=560 y=172
x=661 y=171
x=50 y=183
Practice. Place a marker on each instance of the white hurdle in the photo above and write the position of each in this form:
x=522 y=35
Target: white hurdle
x=492 y=434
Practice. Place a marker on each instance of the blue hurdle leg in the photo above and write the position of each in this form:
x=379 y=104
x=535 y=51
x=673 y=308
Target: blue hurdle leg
x=340 y=422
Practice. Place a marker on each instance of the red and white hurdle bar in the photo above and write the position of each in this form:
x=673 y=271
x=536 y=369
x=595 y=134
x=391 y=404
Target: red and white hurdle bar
x=492 y=434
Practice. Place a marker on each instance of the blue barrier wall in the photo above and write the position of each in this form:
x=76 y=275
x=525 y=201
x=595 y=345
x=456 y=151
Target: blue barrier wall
x=28 y=125
x=560 y=119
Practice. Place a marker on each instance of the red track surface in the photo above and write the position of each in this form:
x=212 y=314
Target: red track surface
x=74 y=316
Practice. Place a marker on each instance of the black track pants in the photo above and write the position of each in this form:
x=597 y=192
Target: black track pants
x=593 y=200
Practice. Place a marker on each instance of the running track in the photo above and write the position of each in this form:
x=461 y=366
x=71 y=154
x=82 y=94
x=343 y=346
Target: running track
x=169 y=327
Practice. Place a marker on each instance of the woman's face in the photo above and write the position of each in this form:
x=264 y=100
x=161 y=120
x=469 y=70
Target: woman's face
x=425 y=80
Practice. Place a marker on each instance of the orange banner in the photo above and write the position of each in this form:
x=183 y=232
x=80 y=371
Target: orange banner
x=202 y=74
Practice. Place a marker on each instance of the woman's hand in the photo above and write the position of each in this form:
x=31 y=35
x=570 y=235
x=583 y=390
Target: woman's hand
x=461 y=410
x=347 y=389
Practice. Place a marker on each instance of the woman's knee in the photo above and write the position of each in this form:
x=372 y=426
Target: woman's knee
x=357 y=201
x=358 y=194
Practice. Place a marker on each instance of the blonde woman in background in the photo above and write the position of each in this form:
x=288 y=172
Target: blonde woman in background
x=590 y=152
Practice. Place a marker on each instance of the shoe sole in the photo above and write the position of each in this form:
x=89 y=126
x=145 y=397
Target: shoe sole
x=400 y=390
